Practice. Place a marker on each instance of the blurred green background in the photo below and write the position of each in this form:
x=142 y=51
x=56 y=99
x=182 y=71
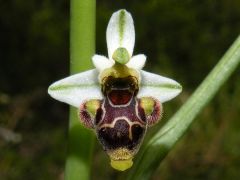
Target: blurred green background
x=182 y=40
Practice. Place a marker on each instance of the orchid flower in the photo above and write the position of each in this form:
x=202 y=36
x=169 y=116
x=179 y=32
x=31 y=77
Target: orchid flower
x=117 y=99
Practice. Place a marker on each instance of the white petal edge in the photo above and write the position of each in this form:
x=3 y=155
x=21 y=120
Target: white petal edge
x=120 y=32
x=101 y=62
x=76 y=89
x=137 y=62
x=159 y=87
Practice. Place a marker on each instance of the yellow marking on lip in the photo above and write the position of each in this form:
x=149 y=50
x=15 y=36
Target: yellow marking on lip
x=121 y=158
x=121 y=165
x=120 y=154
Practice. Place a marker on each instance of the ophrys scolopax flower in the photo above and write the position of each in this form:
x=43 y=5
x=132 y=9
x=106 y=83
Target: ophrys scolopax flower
x=118 y=100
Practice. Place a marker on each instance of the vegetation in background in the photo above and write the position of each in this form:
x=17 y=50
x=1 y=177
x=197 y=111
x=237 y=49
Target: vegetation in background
x=182 y=40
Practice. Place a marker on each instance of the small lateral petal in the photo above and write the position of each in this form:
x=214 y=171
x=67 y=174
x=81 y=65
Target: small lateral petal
x=76 y=89
x=120 y=32
x=101 y=62
x=158 y=87
x=137 y=62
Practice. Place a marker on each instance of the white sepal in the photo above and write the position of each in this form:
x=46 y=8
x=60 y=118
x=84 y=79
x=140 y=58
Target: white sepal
x=137 y=62
x=159 y=87
x=76 y=89
x=101 y=62
x=120 y=32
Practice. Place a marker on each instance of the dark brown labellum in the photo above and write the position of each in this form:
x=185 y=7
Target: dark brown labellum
x=120 y=119
x=121 y=122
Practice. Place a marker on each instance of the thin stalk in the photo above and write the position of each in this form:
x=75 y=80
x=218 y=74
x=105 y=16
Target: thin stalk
x=82 y=47
x=159 y=145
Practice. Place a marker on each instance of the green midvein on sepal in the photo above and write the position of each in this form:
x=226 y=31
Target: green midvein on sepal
x=167 y=86
x=70 y=86
x=121 y=24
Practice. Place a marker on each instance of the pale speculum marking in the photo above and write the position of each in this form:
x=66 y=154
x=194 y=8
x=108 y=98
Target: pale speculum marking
x=120 y=126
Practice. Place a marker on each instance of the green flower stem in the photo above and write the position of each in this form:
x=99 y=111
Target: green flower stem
x=159 y=145
x=82 y=47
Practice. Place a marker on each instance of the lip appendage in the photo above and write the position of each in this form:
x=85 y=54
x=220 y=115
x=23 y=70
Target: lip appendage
x=118 y=100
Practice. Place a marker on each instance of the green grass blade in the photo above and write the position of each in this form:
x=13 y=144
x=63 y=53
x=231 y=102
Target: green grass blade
x=159 y=145
x=82 y=47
